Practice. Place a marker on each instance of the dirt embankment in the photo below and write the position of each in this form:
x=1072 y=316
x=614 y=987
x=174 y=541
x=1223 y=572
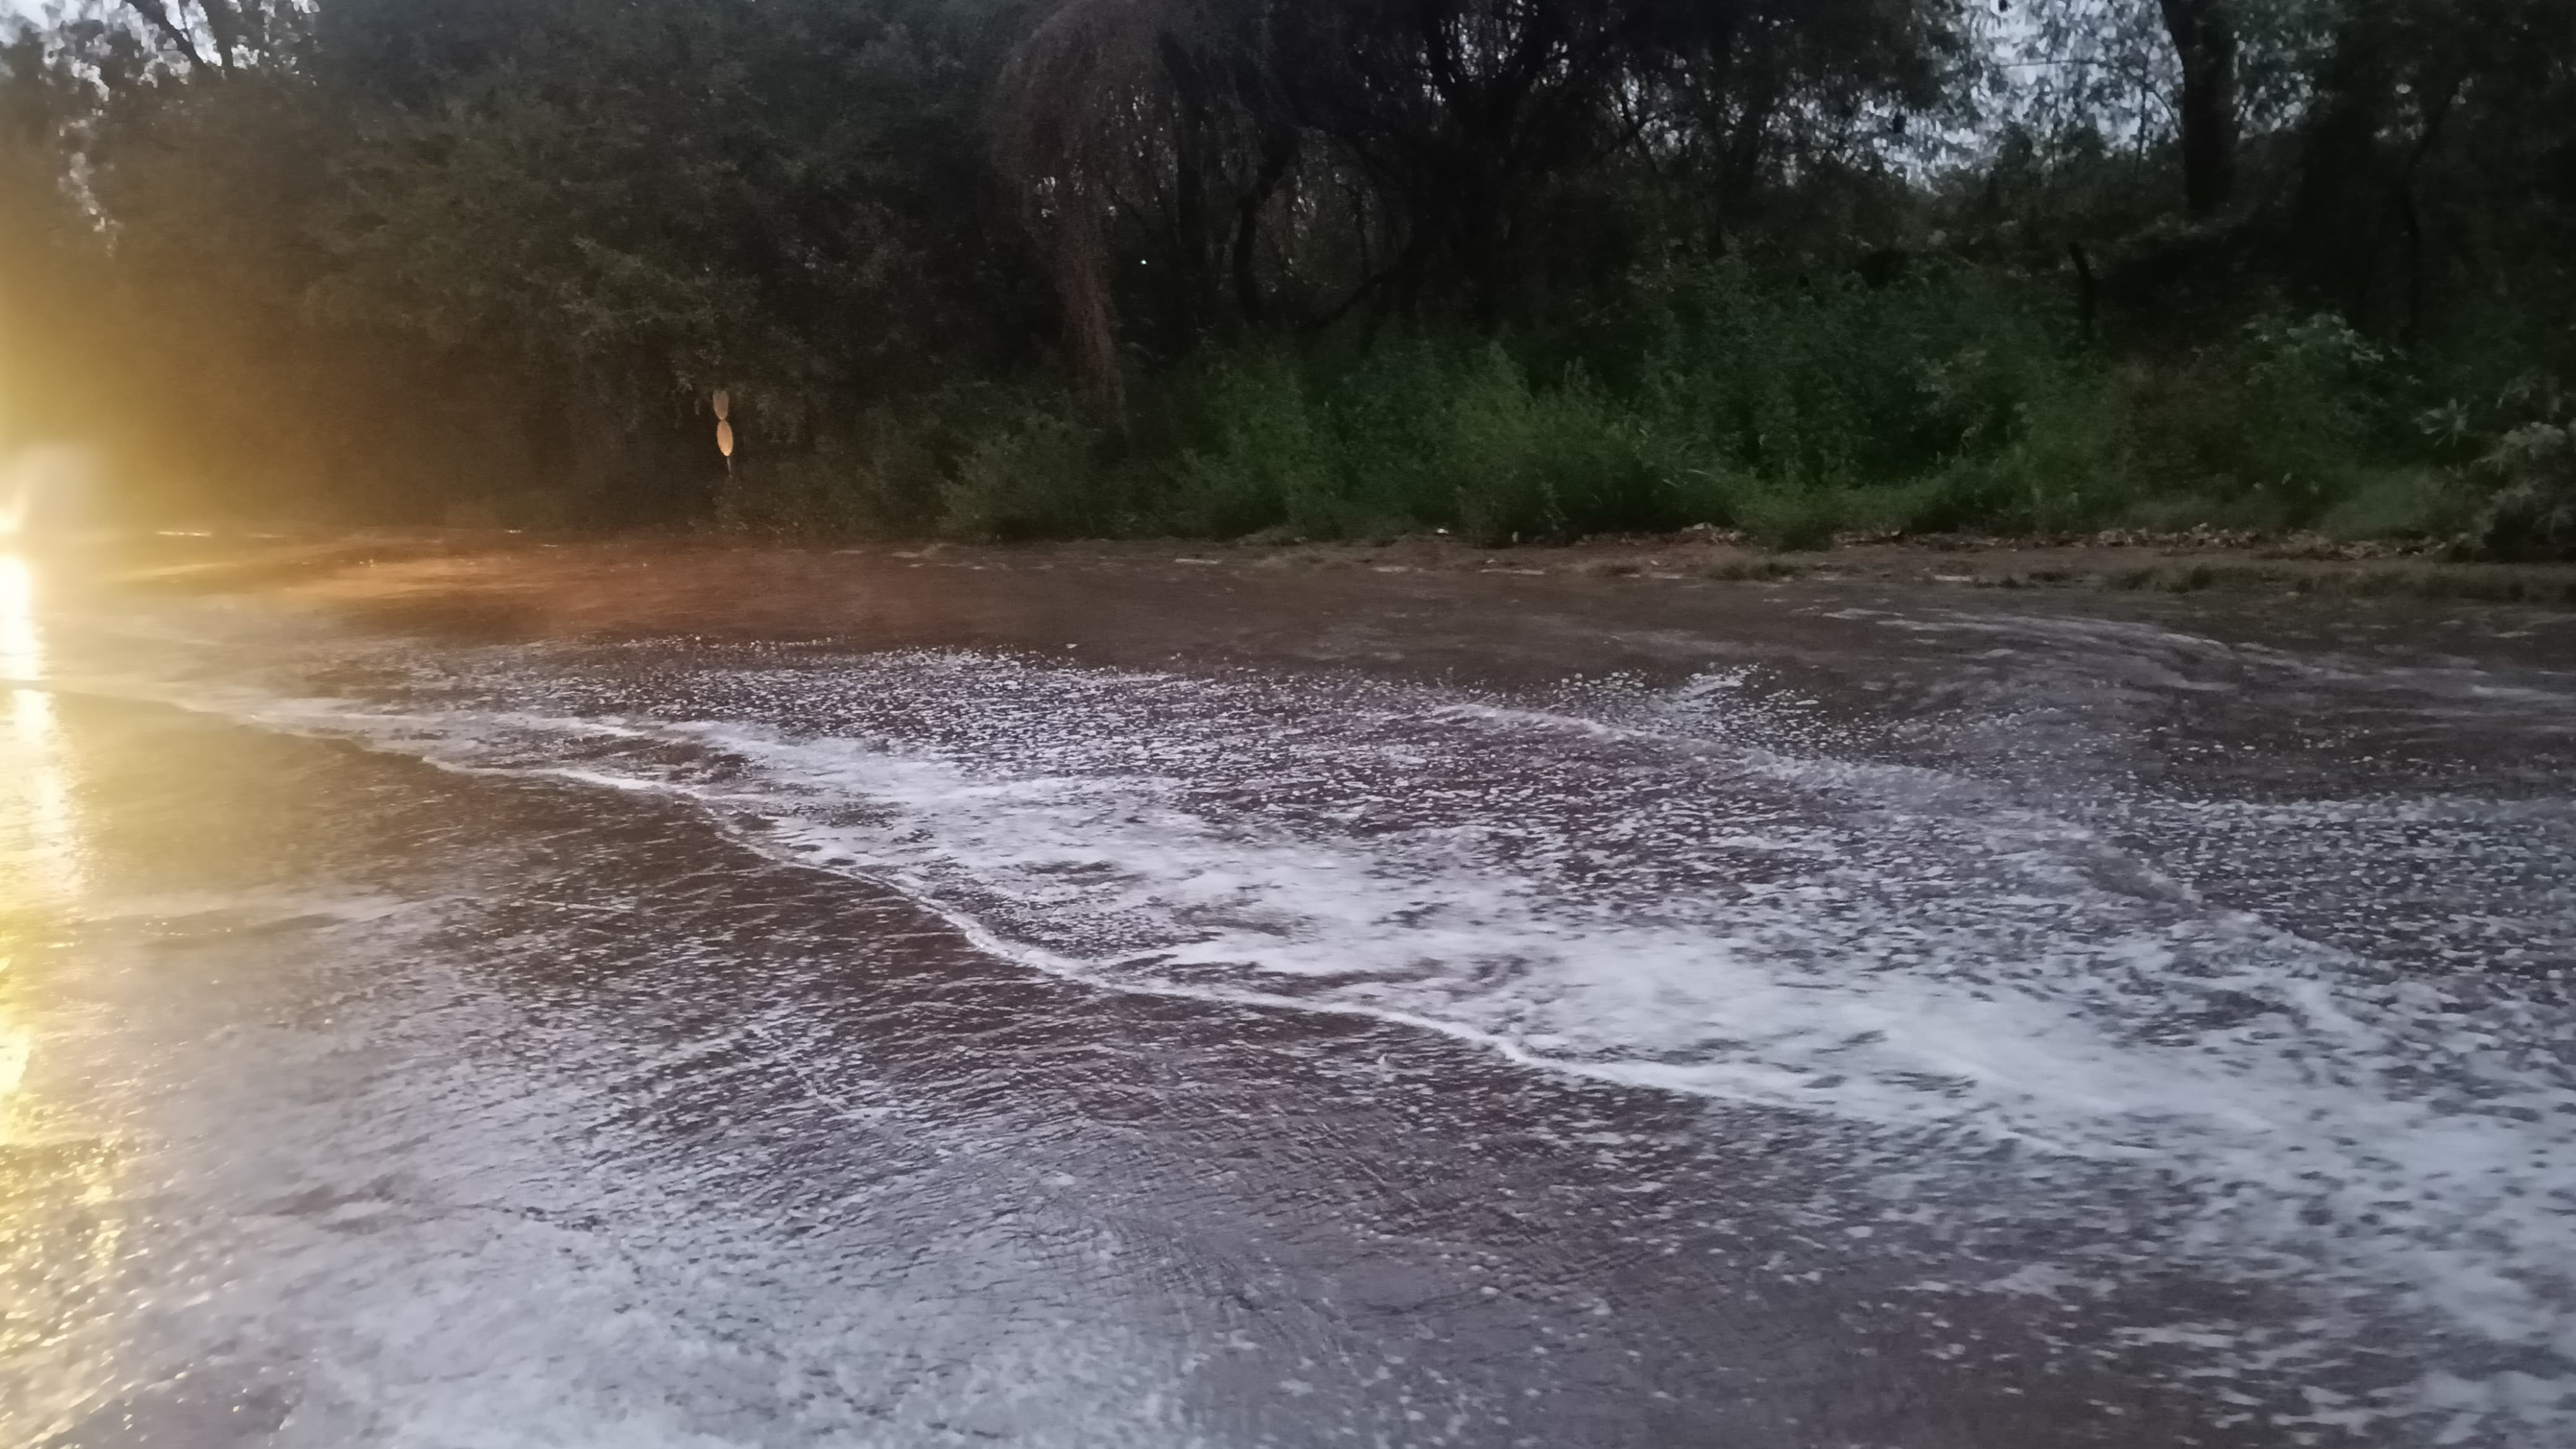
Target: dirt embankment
x=671 y=584
x=2171 y=563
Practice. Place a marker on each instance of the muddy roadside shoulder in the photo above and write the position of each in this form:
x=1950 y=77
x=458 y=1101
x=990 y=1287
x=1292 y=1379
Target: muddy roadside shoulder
x=542 y=573
x=2182 y=563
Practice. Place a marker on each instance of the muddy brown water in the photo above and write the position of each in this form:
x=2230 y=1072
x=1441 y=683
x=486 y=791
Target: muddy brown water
x=631 y=995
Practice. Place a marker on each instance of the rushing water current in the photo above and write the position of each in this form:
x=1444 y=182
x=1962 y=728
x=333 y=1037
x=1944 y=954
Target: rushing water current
x=1367 y=1011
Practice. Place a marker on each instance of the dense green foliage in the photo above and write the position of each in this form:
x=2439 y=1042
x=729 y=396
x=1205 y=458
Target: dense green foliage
x=1519 y=269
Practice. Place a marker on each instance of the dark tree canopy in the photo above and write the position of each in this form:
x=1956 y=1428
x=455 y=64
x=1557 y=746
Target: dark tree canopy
x=434 y=258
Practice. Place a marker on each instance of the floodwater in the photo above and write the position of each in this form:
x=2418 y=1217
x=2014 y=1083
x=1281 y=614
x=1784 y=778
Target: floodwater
x=638 y=999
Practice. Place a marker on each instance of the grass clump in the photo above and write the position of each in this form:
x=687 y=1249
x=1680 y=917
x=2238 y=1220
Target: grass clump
x=1955 y=400
x=1414 y=436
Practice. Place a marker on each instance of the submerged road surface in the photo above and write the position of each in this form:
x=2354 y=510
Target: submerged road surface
x=634 y=999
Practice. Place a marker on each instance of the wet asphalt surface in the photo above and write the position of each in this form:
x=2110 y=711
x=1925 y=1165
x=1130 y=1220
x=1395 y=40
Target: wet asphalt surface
x=677 y=999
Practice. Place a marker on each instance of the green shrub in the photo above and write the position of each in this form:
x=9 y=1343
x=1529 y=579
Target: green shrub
x=2402 y=502
x=2532 y=514
x=880 y=475
x=2266 y=431
x=1039 y=470
x=2267 y=425
x=2064 y=465
x=1270 y=460
x=1836 y=384
x=1417 y=435
x=1523 y=463
x=1793 y=520
x=1795 y=409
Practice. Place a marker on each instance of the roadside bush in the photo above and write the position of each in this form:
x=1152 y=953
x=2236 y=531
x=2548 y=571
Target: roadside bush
x=1795 y=520
x=2532 y=514
x=1268 y=458
x=879 y=476
x=1417 y=435
x=1526 y=463
x=1041 y=470
x=1942 y=403
x=1833 y=384
x=2411 y=501
x=2264 y=431
x=2064 y=465
x=2268 y=430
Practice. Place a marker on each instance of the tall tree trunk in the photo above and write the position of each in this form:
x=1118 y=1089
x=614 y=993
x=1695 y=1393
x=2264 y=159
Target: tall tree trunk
x=2342 y=197
x=169 y=28
x=1277 y=156
x=1192 y=160
x=2204 y=40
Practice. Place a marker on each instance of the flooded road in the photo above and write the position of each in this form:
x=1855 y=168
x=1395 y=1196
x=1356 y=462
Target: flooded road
x=629 y=997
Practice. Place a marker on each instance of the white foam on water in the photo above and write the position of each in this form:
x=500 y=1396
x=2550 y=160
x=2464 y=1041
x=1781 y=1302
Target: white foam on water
x=386 y=1233
x=1637 y=899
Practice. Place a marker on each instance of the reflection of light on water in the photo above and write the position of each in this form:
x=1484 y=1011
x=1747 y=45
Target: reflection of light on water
x=60 y=1232
x=22 y=648
x=60 y=1239
x=35 y=793
x=16 y=1044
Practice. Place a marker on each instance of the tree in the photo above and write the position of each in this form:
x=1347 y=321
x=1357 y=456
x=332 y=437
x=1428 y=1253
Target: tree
x=2204 y=42
x=1425 y=154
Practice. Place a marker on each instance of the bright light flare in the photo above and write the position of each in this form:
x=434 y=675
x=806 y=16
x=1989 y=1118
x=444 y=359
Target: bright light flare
x=39 y=824
x=61 y=1233
x=45 y=488
x=22 y=644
